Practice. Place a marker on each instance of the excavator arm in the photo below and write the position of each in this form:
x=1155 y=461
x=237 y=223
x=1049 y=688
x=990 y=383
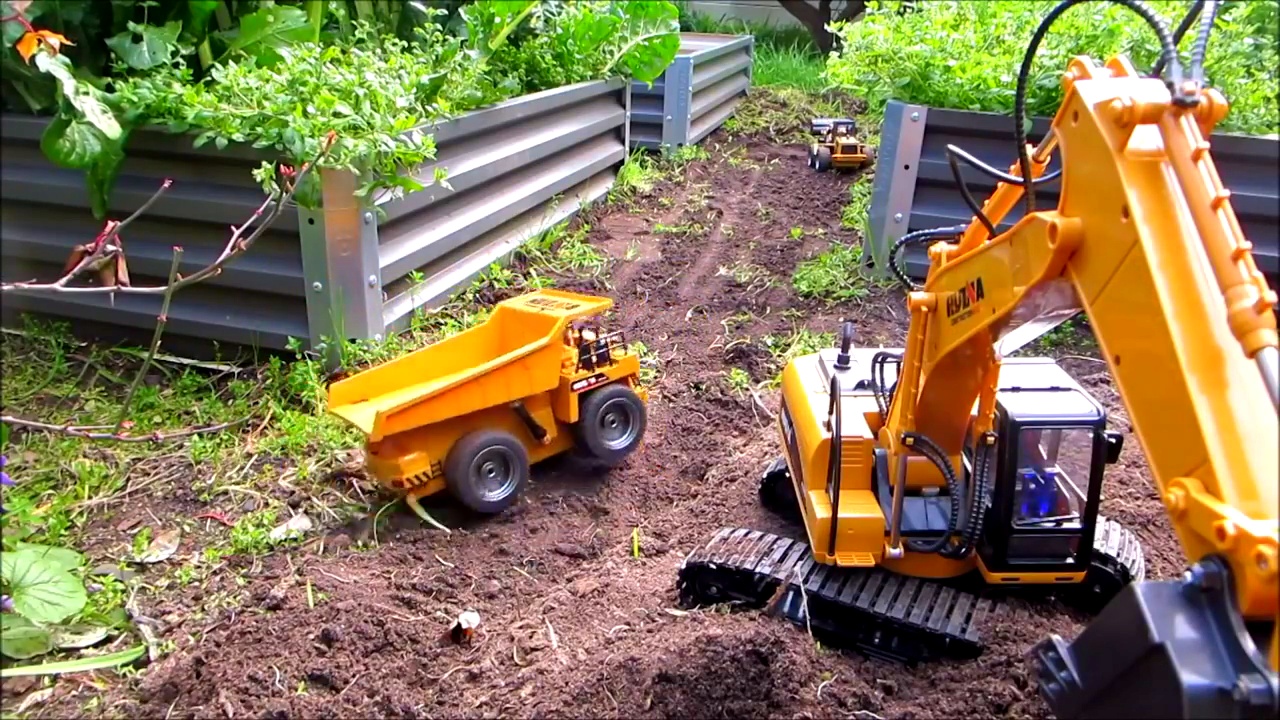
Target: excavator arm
x=1145 y=242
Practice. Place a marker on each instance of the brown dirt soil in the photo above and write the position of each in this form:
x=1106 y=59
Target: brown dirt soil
x=573 y=624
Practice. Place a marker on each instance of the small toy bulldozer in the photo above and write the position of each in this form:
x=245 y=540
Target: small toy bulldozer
x=471 y=413
x=837 y=146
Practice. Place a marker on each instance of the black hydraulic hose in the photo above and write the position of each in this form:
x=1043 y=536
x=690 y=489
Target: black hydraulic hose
x=919 y=236
x=996 y=173
x=981 y=481
x=1168 y=55
x=968 y=196
x=878 y=361
x=1201 y=47
x=930 y=450
x=1179 y=33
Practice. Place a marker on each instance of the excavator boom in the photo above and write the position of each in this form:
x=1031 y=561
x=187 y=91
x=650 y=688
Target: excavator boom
x=1145 y=242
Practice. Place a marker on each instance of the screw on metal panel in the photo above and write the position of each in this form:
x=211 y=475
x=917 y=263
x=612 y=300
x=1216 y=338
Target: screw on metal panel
x=368 y=218
x=668 y=117
x=915 y=117
x=377 y=337
x=373 y=281
x=317 y=286
x=897 y=217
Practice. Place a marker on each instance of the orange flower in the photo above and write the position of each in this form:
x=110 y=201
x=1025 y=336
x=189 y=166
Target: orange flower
x=30 y=42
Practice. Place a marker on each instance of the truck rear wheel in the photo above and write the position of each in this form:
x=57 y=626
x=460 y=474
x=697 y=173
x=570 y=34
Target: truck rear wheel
x=611 y=423
x=487 y=470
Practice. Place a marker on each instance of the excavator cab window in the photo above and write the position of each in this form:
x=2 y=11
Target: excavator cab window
x=1045 y=503
x=1051 y=482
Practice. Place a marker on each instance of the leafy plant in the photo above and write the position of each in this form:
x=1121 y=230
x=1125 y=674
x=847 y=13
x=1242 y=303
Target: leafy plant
x=966 y=55
x=282 y=74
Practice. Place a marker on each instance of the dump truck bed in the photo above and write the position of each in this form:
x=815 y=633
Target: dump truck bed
x=515 y=353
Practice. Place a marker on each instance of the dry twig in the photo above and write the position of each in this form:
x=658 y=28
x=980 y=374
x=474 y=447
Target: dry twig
x=105 y=255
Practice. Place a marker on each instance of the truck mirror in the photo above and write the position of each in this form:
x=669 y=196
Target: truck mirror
x=1115 y=442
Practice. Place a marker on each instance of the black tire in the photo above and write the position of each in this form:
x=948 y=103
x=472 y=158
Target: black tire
x=487 y=470
x=777 y=494
x=611 y=423
x=822 y=162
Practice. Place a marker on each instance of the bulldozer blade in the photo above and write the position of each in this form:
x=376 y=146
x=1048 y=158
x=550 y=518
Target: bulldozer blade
x=1179 y=642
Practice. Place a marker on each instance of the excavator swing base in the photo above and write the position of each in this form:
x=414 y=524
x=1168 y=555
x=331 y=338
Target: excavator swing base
x=1181 y=641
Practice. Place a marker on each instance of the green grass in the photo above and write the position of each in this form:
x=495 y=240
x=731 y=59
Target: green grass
x=965 y=55
x=793 y=67
x=65 y=483
x=766 y=34
x=785 y=348
x=836 y=275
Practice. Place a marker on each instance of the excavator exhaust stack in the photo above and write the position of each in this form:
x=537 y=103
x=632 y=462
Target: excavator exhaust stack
x=1180 y=641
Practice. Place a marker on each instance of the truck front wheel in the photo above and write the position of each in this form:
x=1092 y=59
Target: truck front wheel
x=487 y=470
x=611 y=423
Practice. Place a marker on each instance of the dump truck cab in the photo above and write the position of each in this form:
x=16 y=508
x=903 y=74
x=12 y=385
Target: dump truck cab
x=473 y=412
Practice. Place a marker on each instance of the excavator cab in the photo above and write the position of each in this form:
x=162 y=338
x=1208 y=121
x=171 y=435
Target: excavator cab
x=1052 y=451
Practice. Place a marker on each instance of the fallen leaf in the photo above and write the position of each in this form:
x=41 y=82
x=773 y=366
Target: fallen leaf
x=294 y=527
x=33 y=699
x=162 y=547
x=80 y=636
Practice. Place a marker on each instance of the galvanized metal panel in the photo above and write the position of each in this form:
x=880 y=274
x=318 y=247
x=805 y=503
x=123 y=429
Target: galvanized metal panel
x=459 y=268
x=566 y=141
x=932 y=197
x=257 y=300
x=700 y=90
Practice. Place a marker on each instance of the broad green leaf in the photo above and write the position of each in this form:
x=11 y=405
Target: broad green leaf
x=60 y=557
x=269 y=27
x=72 y=143
x=198 y=14
x=12 y=30
x=153 y=45
x=21 y=639
x=84 y=98
x=41 y=591
x=101 y=176
x=96 y=112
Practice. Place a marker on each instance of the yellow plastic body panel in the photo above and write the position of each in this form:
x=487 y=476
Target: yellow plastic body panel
x=1145 y=239
x=415 y=408
x=514 y=354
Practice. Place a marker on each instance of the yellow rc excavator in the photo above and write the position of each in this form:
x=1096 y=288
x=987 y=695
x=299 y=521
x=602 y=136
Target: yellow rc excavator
x=930 y=478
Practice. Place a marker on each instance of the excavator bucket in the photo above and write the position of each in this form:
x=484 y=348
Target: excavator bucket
x=1161 y=649
x=515 y=353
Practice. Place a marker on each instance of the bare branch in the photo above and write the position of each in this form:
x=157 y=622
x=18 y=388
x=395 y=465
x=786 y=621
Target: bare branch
x=105 y=255
x=155 y=341
x=103 y=250
x=81 y=431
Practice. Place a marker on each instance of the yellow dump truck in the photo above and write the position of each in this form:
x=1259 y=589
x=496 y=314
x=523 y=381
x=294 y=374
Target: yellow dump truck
x=472 y=412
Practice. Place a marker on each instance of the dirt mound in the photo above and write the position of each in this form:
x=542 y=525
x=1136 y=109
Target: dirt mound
x=718 y=675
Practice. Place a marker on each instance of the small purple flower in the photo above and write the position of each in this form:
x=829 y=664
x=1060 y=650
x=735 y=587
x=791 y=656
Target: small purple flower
x=6 y=603
x=4 y=479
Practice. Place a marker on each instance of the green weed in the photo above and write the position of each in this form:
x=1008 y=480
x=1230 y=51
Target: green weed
x=785 y=348
x=637 y=177
x=835 y=275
